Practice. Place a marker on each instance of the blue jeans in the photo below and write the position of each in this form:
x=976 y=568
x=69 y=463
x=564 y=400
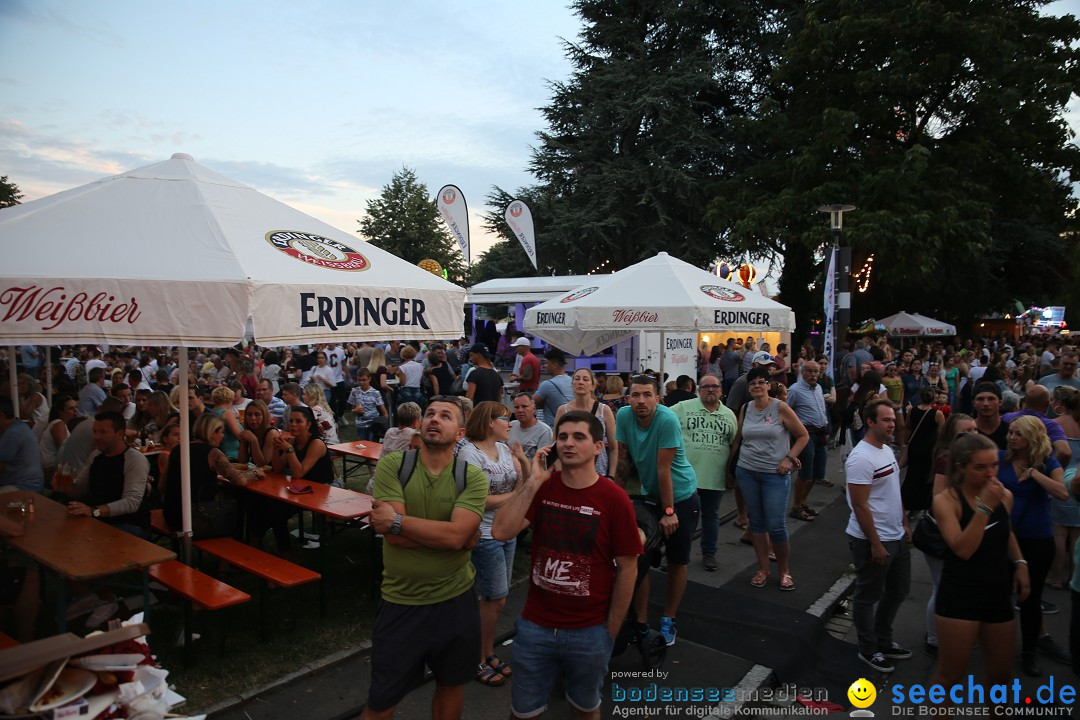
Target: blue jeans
x=710 y=519
x=540 y=653
x=879 y=592
x=766 y=496
x=813 y=460
x=494 y=563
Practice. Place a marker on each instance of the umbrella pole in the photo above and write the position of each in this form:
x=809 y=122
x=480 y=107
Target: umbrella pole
x=185 y=457
x=663 y=353
x=48 y=375
x=13 y=377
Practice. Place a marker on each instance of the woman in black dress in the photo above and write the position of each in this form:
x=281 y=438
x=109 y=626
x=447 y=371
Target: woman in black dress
x=924 y=423
x=983 y=565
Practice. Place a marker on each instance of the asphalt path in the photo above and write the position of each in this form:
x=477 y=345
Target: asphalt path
x=740 y=651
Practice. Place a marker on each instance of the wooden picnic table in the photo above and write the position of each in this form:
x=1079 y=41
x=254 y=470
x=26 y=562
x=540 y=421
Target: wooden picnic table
x=359 y=453
x=81 y=548
x=325 y=501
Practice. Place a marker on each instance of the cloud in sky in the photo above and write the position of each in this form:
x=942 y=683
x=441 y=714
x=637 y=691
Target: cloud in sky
x=314 y=103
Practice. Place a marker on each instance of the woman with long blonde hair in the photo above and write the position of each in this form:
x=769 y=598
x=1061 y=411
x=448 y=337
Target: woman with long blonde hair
x=1033 y=475
x=315 y=399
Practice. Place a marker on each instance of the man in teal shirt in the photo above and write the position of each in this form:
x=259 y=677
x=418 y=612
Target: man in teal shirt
x=650 y=437
x=708 y=430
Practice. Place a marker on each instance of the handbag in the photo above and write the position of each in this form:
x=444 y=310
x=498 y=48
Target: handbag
x=903 y=462
x=927 y=537
x=214 y=519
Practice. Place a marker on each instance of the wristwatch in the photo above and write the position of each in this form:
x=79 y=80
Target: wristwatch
x=290 y=451
x=669 y=511
x=395 y=527
x=96 y=512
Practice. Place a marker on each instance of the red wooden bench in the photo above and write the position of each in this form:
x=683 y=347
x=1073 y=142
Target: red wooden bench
x=199 y=589
x=270 y=568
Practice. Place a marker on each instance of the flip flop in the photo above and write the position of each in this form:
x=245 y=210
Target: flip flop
x=786 y=583
x=740 y=525
x=499 y=666
x=746 y=539
x=759 y=579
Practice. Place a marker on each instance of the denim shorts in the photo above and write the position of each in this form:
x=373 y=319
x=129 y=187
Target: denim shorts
x=494 y=562
x=540 y=653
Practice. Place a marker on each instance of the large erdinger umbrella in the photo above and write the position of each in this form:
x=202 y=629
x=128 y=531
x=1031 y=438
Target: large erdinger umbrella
x=661 y=294
x=175 y=254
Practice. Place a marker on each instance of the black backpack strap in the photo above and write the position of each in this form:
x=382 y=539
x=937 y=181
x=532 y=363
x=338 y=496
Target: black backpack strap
x=408 y=465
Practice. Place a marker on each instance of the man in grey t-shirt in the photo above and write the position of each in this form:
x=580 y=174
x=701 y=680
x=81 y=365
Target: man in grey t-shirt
x=526 y=429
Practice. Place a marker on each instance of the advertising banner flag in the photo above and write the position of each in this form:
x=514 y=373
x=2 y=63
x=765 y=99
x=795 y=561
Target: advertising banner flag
x=829 y=344
x=519 y=218
x=451 y=204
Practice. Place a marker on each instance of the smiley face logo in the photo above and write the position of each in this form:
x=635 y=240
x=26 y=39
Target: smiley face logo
x=862 y=693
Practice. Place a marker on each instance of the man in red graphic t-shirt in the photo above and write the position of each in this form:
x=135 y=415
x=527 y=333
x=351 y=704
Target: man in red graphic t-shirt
x=584 y=564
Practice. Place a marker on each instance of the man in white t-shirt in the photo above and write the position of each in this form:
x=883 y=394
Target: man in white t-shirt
x=877 y=535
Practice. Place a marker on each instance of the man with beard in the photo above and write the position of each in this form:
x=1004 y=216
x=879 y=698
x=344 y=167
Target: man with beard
x=429 y=613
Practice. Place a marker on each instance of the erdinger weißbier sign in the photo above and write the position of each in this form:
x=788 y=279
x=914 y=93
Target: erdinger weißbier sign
x=452 y=207
x=519 y=218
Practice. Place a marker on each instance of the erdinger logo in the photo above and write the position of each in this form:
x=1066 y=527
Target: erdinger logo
x=449 y=197
x=318 y=250
x=579 y=294
x=515 y=209
x=721 y=293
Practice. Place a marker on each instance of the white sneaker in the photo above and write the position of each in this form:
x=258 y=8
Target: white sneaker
x=102 y=613
x=311 y=545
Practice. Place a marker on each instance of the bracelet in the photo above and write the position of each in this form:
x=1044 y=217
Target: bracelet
x=1021 y=561
x=983 y=507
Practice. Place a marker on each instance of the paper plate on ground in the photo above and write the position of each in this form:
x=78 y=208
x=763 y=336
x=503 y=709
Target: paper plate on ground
x=71 y=684
x=102 y=663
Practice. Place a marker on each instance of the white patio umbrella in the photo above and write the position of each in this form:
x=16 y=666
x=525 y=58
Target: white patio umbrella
x=662 y=294
x=175 y=254
x=904 y=324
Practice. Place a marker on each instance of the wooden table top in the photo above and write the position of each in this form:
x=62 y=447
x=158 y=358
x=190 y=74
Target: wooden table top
x=338 y=503
x=366 y=449
x=80 y=548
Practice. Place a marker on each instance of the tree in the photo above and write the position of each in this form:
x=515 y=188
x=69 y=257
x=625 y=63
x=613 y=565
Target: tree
x=635 y=135
x=9 y=193
x=404 y=221
x=943 y=122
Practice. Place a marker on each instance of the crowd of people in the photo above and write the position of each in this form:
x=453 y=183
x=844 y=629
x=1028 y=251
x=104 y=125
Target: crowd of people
x=974 y=443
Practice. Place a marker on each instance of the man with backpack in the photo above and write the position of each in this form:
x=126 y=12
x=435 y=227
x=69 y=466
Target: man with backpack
x=430 y=519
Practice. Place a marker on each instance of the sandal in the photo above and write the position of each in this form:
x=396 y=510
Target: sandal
x=825 y=483
x=759 y=579
x=499 y=666
x=742 y=525
x=772 y=556
x=786 y=583
x=746 y=539
x=487 y=675
x=810 y=510
x=800 y=513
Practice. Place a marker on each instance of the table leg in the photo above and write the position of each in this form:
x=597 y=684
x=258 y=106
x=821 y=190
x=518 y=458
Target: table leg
x=319 y=521
x=146 y=592
x=61 y=604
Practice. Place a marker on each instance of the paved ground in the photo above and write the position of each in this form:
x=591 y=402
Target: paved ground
x=734 y=640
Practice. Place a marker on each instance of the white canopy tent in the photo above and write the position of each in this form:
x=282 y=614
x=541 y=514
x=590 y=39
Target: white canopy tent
x=904 y=324
x=175 y=254
x=662 y=294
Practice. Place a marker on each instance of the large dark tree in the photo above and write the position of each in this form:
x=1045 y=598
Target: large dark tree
x=943 y=122
x=635 y=134
x=9 y=193
x=404 y=221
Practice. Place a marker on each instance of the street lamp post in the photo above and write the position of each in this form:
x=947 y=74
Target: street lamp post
x=841 y=283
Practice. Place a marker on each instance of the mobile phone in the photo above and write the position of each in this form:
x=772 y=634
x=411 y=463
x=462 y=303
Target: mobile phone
x=553 y=456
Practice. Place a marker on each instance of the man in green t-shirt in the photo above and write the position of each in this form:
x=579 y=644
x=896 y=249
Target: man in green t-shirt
x=708 y=430
x=429 y=613
x=649 y=436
